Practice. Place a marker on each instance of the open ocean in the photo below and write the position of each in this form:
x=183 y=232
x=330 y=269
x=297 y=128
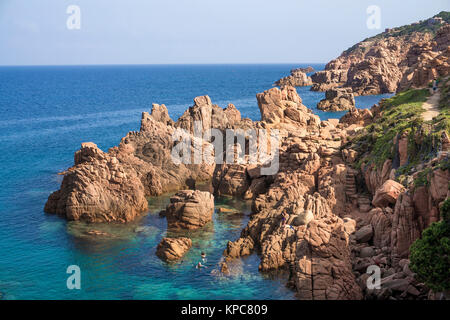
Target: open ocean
x=45 y=114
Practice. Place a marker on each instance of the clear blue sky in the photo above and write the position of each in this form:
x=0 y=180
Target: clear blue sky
x=34 y=32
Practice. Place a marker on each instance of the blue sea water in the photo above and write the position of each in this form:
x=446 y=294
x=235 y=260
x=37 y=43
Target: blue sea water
x=46 y=112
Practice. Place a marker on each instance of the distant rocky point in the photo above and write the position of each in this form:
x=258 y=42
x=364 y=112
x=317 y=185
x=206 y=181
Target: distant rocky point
x=297 y=78
x=397 y=59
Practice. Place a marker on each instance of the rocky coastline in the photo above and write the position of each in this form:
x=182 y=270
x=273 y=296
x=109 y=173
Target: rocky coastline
x=348 y=194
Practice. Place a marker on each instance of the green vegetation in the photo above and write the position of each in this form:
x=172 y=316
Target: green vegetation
x=422 y=178
x=401 y=113
x=430 y=255
x=442 y=122
x=406 y=30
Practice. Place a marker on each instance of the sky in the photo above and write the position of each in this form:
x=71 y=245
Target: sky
x=35 y=32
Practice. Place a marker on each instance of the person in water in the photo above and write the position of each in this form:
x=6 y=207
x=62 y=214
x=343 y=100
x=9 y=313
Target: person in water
x=201 y=264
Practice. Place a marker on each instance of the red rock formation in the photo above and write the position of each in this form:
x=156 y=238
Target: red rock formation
x=322 y=268
x=99 y=188
x=284 y=107
x=387 y=193
x=388 y=63
x=361 y=117
x=337 y=99
x=112 y=186
x=297 y=78
x=189 y=209
x=309 y=192
x=172 y=249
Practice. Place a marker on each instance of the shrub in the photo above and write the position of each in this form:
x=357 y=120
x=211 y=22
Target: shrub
x=430 y=255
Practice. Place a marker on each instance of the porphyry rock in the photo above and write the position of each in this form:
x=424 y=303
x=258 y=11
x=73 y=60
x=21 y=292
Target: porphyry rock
x=337 y=99
x=171 y=249
x=189 y=209
x=387 y=193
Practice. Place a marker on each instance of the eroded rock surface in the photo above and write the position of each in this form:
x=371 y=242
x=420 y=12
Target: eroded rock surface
x=297 y=78
x=189 y=209
x=337 y=99
x=388 y=62
x=172 y=249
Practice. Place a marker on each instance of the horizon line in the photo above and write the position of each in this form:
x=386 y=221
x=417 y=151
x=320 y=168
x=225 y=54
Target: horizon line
x=156 y=64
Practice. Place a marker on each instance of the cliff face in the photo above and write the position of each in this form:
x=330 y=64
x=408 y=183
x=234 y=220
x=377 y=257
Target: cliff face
x=399 y=58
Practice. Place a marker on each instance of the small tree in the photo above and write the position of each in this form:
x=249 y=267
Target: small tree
x=430 y=255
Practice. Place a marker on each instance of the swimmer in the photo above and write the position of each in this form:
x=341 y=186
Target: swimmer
x=200 y=265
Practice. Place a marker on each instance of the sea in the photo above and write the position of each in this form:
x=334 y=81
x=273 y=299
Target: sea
x=46 y=112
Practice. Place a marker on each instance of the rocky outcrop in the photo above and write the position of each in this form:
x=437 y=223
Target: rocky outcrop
x=99 y=188
x=328 y=79
x=161 y=114
x=297 y=78
x=427 y=61
x=387 y=194
x=284 y=108
x=208 y=115
x=308 y=194
x=322 y=268
x=388 y=62
x=189 y=209
x=112 y=186
x=337 y=99
x=359 y=117
x=172 y=249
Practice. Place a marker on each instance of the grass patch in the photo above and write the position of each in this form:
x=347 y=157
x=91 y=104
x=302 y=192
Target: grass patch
x=442 y=122
x=401 y=113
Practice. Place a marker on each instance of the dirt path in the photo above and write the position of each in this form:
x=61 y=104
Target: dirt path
x=431 y=106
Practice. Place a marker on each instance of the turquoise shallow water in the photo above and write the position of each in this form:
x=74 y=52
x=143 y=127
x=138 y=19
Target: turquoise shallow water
x=45 y=113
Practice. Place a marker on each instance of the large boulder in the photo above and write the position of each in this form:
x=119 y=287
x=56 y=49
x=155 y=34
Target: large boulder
x=285 y=107
x=172 y=249
x=189 y=209
x=387 y=193
x=337 y=99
